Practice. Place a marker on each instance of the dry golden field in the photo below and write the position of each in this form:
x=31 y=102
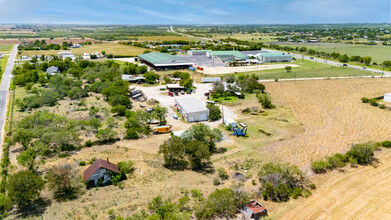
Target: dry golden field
x=358 y=193
x=332 y=115
x=161 y=38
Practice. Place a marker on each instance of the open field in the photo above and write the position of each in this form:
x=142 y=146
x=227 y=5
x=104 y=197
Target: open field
x=378 y=53
x=228 y=70
x=309 y=69
x=358 y=193
x=110 y=48
x=332 y=115
x=248 y=37
x=161 y=38
x=5 y=48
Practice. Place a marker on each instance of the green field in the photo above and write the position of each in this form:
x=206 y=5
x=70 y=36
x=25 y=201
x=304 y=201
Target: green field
x=378 y=53
x=309 y=69
x=5 y=47
x=110 y=48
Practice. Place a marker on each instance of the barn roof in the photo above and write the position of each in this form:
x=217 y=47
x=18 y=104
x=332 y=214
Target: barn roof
x=256 y=207
x=99 y=163
x=163 y=59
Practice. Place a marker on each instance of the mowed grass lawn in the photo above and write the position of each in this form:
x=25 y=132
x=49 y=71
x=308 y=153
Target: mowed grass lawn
x=309 y=69
x=5 y=48
x=110 y=48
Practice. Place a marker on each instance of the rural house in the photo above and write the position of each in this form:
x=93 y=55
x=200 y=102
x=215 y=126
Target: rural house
x=254 y=210
x=99 y=171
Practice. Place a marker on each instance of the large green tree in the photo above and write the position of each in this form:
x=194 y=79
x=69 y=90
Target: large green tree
x=24 y=188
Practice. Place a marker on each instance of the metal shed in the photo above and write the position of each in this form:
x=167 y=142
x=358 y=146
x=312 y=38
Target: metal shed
x=192 y=109
x=387 y=97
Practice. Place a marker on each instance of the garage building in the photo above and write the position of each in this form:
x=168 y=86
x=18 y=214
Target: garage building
x=192 y=109
x=275 y=57
x=162 y=61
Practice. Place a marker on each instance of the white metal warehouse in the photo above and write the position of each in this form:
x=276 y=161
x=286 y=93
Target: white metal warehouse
x=192 y=109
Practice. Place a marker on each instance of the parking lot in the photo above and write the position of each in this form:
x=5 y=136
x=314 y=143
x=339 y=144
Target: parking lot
x=168 y=102
x=204 y=61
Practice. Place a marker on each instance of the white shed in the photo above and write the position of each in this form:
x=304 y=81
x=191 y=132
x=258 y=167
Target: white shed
x=192 y=109
x=230 y=121
x=387 y=97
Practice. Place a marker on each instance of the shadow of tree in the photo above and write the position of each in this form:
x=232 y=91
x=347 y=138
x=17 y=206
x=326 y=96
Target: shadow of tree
x=36 y=209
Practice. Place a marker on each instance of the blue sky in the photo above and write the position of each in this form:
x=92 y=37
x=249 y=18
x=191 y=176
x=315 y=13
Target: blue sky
x=194 y=11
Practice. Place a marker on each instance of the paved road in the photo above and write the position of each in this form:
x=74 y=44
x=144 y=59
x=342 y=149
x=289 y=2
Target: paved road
x=4 y=87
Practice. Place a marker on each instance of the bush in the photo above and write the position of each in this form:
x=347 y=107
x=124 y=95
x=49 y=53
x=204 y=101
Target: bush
x=363 y=153
x=337 y=161
x=131 y=134
x=222 y=174
x=386 y=144
x=82 y=163
x=320 y=166
x=216 y=181
x=266 y=102
x=214 y=112
x=364 y=100
x=373 y=102
x=381 y=106
x=125 y=167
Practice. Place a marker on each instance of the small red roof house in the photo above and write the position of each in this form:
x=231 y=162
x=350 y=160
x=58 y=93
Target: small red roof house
x=254 y=210
x=100 y=170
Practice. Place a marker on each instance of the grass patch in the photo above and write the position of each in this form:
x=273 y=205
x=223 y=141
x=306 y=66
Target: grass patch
x=5 y=47
x=110 y=48
x=309 y=69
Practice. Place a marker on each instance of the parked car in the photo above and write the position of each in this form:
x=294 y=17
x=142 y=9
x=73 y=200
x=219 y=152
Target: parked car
x=345 y=64
x=364 y=67
x=182 y=92
x=311 y=58
x=175 y=116
x=150 y=110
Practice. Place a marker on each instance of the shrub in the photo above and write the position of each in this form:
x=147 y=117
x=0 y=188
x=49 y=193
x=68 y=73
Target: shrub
x=381 y=106
x=363 y=153
x=214 y=112
x=337 y=161
x=125 y=167
x=222 y=174
x=320 y=166
x=82 y=163
x=373 y=102
x=364 y=100
x=386 y=144
x=131 y=134
x=216 y=181
x=266 y=102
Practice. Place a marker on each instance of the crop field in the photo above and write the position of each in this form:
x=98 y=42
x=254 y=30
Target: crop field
x=332 y=115
x=378 y=53
x=110 y=48
x=308 y=69
x=248 y=37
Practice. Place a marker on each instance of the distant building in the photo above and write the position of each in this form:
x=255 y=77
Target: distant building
x=162 y=61
x=192 y=109
x=99 y=171
x=65 y=55
x=254 y=210
x=227 y=56
x=275 y=57
x=387 y=97
x=53 y=70
x=76 y=46
x=86 y=56
x=197 y=52
x=1 y=55
x=126 y=77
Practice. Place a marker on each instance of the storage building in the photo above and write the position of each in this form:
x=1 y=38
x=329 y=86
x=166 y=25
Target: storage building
x=230 y=121
x=254 y=210
x=197 y=52
x=99 y=171
x=275 y=57
x=162 y=61
x=192 y=109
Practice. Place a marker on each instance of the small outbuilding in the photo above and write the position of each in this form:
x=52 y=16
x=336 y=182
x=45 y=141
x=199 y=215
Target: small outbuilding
x=230 y=122
x=254 y=210
x=192 y=109
x=275 y=57
x=174 y=87
x=53 y=70
x=100 y=172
